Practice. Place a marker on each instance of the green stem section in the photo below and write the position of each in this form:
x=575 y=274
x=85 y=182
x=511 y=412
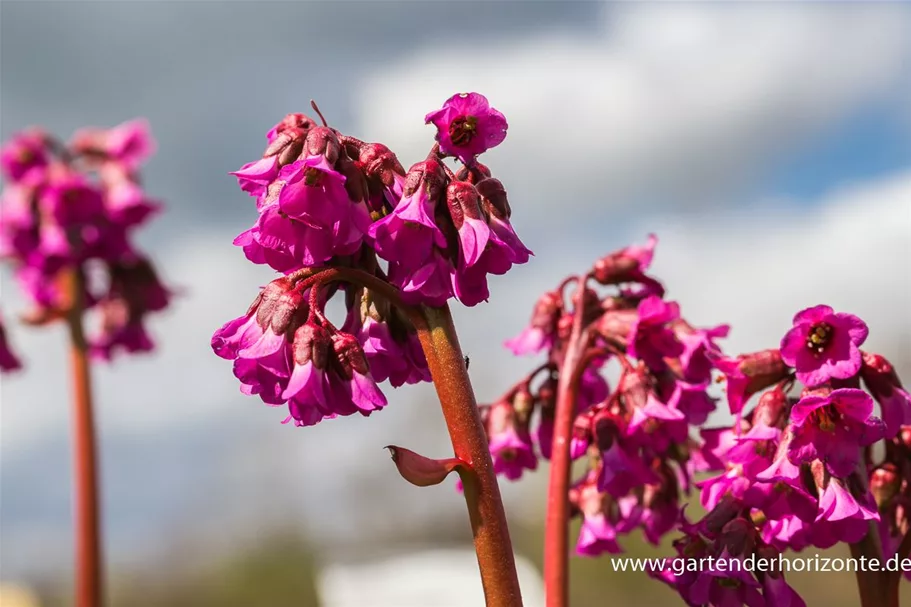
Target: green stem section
x=482 y=494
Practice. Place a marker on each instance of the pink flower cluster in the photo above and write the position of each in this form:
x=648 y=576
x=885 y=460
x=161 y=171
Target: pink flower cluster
x=327 y=200
x=73 y=208
x=791 y=472
x=802 y=471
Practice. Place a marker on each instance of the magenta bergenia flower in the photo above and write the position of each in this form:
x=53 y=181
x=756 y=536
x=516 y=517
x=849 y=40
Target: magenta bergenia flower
x=597 y=535
x=650 y=338
x=833 y=428
x=467 y=126
x=128 y=144
x=510 y=442
x=824 y=345
x=750 y=373
x=8 y=360
x=882 y=381
x=24 y=156
x=542 y=329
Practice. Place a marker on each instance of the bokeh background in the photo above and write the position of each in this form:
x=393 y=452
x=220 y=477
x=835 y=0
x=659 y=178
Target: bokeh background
x=768 y=146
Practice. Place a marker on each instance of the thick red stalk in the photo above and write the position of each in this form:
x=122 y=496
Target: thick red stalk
x=872 y=586
x=89 y=579
x=482 y=494
x=903 y=551
x=556 y=531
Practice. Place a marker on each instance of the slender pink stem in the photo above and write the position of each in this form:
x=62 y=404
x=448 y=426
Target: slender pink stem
x=89 y=576
x=556 y=531
x=469 y=441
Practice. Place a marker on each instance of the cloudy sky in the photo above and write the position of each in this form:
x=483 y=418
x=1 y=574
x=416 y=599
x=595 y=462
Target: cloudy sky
x=768 y=146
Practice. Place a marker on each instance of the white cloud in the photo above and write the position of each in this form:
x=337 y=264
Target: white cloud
x=661 y=101
x=757 y=267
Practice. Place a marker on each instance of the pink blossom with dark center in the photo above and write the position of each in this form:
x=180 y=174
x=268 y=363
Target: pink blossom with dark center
x=467 y=126
x=833 y=428
x=824 y=345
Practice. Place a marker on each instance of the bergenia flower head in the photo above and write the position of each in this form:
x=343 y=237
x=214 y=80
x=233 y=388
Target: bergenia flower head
x=467 y=126
x=328 y=200
x=72 y=209
x=824 y=345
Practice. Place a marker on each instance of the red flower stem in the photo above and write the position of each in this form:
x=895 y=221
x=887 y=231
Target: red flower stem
x=469 y=441
x=872 y=586
x=556 y=531
x=903 y=551
x=89 y=577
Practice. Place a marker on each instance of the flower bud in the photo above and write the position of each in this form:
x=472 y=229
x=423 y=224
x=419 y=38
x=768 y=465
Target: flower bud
x=772 y=409
x=493 y=198
x=617 y=324
x=882 y=381
x=885 y=483
x=311 y=343
x=380 y=162
x=429 y=175
x=463 y=202
x=349 y=354
x=355 y=180
x=738 y=537
x=727 y=510
x=625 y=265
x=473 y=173
x=322 y=141
x=634 y=388
x=524 y=403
